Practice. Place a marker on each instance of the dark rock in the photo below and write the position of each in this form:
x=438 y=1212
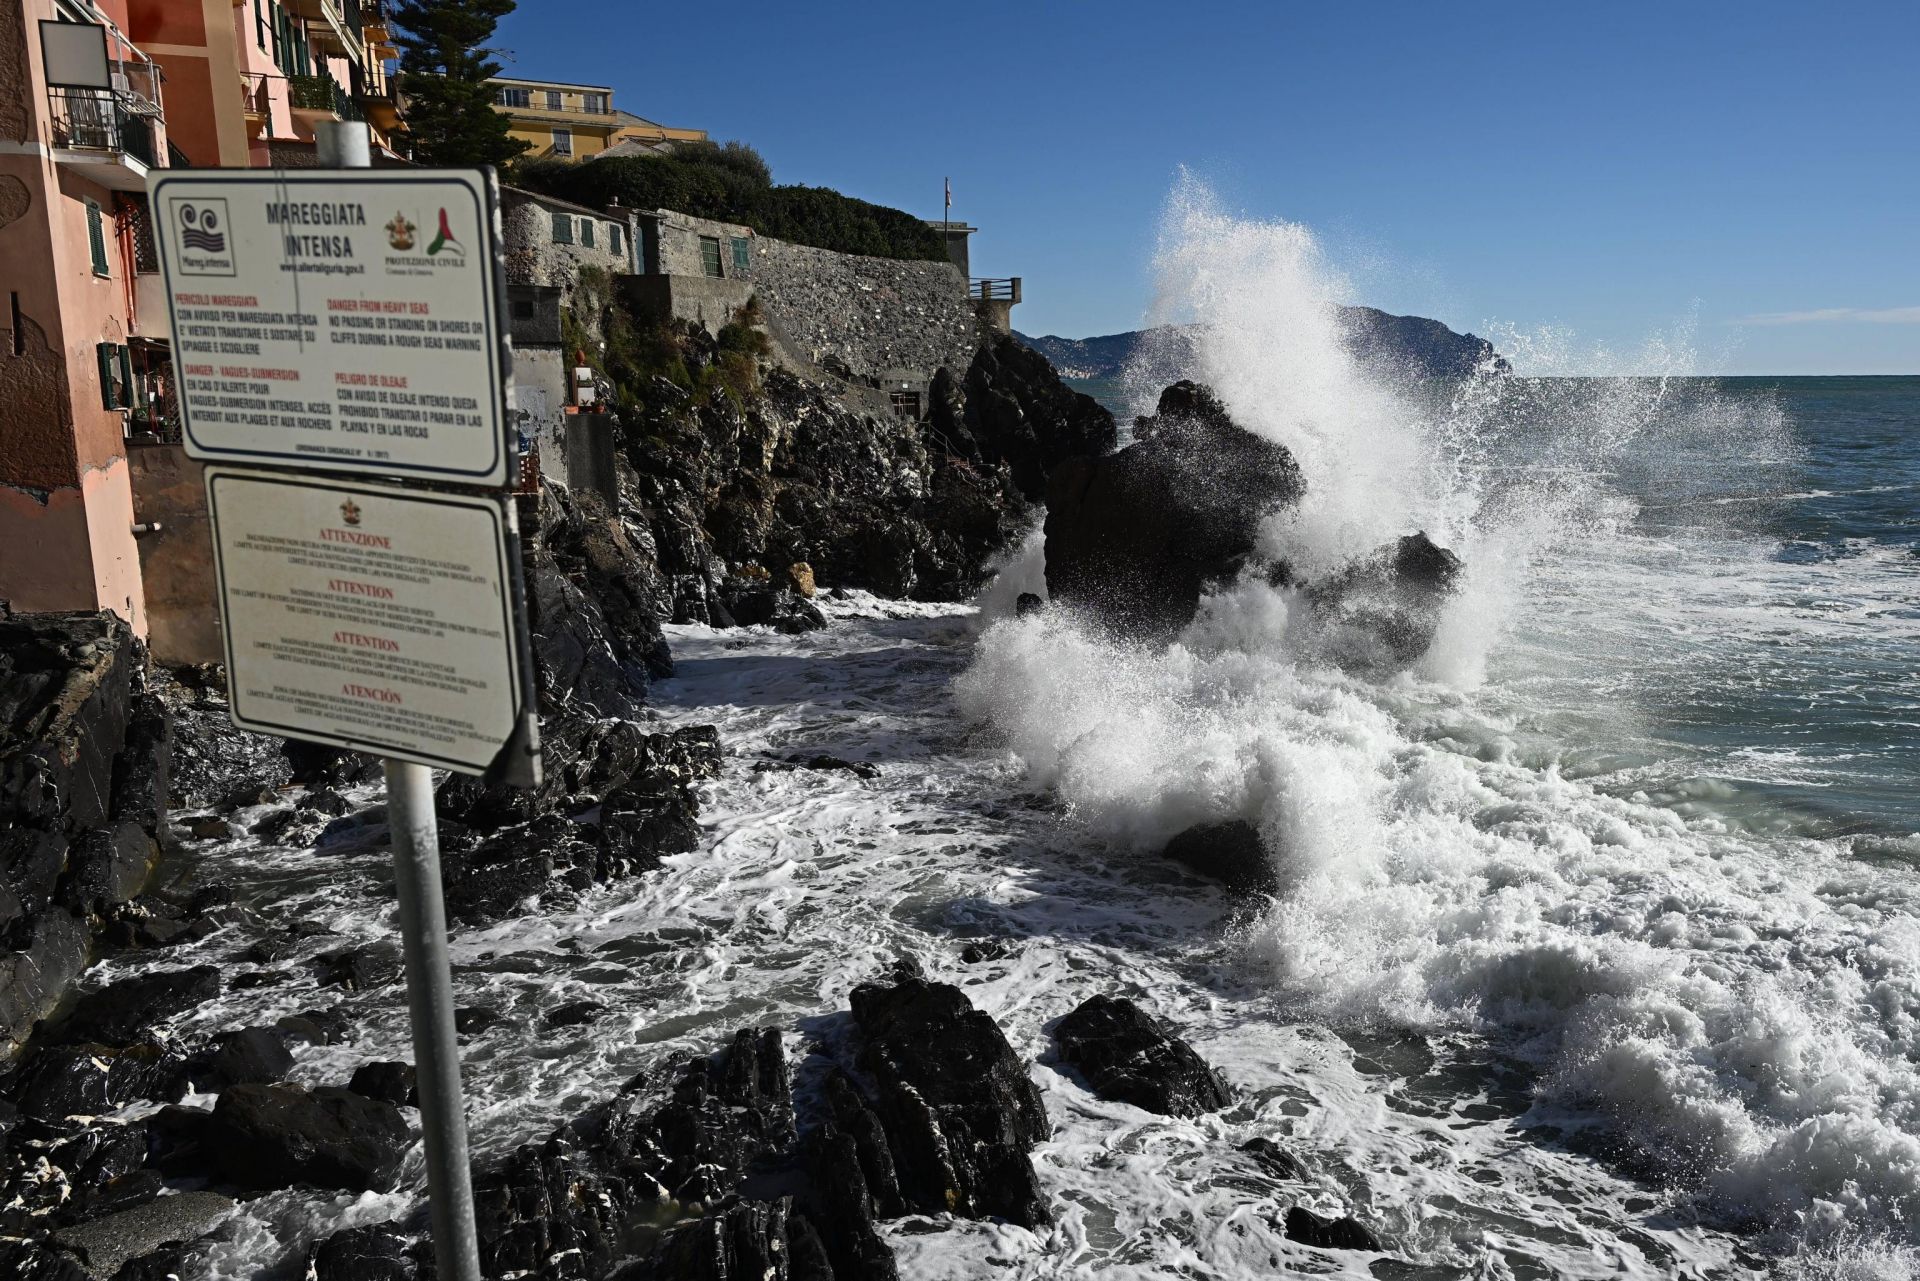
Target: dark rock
x=263 y=1137
x=1028 y=603
x=23 y=1260
x=1126 y=1057
x=1322 y=1233
x=983 y=950
x=358 y=969
x=471 y=1020
x=372 y=1253
x=746 y=1241
x=1134 y=539
x=107 y=1243
x=315 y=1027
x=250 y=1056
x=169 y=1262
x=1018 y=412
x=1274 y=1159
x=859 y=769
x=324 y=800
x=86 y=1080
x=319 y=765
x=959 y=1109
x=281 y=825
x=574 y=1014
x=59 y=1173
x=106 y=867
x=66 y=703
x=207 y=827
x=249 y=794
x=35 y=977
x=386 y=1080
x=1393 y=598
x=850 y=1183
x=128 y=1010
x=1228 y=852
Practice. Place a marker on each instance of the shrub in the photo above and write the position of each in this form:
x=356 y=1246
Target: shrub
x=731 y=183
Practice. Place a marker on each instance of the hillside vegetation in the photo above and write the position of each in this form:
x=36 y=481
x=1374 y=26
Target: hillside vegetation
x=731 y=183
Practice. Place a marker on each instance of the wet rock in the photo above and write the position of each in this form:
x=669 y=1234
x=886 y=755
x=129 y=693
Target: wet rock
x=386 y=1080
x=748 y=1241
x=1274 y=1159
x=107 y=867
x=1347 y=1233
x=320 y=765
x=170 y=1262
x=375 y=1252
x=762 y=605
x=263 y=1137
x=60 y=1172
x=959 y=1109
x=358 y=969
x=1392 y=599
x=127 y=1011
x=324 y=800
x=1028 y=603
x=315 y=1027
x=800 y=581
x=105 y=1244
x=207 y=827
x=250 y=1056
x=574 y=1014
x=1019 y=413
x=822 y=761
x=1230 y=853
x=980 y=951
x=35 y=977
x=87 y=1080
x=851 y=1183
x=285 y=827
x=471 y=1020
x=1134 y=539
x=32 y=1261
x=1126 y=1057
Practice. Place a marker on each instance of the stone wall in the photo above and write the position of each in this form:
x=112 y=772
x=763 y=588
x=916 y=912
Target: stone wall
x=880 y=321
x=534 y=257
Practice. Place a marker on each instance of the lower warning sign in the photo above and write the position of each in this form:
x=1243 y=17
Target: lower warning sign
x=368 y=616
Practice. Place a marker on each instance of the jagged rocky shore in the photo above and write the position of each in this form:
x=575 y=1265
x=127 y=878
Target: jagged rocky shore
x=122 y=1144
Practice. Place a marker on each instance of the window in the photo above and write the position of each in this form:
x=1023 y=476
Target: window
x=516 y=97
x=96 y=238
x=613 y=236
x=562 y=229
x=260 y=23
x=563 y=142
x=906 y=404
x=742 y=260
x=116 y=375
x=523 y=309
x=710 y=255
x=134 y=218
x=594 y=102
x=586 y=232
x=553 y=100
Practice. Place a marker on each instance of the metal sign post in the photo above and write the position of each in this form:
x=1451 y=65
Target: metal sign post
x=415 y=833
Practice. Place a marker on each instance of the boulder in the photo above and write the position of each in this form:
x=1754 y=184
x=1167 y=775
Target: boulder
x=747 y=1241
x=1017 y=412
x=1392 y=599
x=129 y=1010
x=23 y=1260
x=959 y=1109
x=1134 y=539
x=263 y=1137
x=375 y=1252
x=1126 y=1057
x=1274 y=1159
x=106 y=1243
x=87 y=1080
x=249 y=1056
x=388 y=1081
x=1346 y=1233
x=1230 y=853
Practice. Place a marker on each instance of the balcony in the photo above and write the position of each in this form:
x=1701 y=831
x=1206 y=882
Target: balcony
x=107 y=136
x=256 y=93
x=335 y=27
x=320 y=97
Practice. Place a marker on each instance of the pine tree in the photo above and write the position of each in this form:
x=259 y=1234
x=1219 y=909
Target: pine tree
x=447 y=105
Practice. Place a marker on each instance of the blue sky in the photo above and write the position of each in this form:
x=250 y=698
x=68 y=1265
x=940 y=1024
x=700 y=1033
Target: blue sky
x=1617 y=170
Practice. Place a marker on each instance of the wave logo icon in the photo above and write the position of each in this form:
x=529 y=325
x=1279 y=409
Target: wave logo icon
x=201 y=229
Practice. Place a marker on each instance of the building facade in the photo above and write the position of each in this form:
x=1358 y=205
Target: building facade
x=256 y=76
x=83 y=357
x=565 y=121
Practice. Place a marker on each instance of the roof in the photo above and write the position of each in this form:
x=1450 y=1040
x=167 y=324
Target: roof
x=554 y=202
x=546 y=84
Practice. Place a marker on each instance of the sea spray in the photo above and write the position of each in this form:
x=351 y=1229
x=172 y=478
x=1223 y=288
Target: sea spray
x=1740 y=1005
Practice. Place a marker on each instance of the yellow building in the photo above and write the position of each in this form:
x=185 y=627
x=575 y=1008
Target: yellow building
x=574 y=121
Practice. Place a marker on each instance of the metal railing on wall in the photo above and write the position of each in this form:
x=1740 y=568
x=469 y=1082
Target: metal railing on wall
x=1001 y=288
x=98 y=120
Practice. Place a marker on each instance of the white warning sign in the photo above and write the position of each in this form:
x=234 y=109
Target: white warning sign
x=367 y=616
x=338 y=320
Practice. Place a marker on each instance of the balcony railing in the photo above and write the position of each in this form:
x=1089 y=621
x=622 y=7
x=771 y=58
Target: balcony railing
x=256 y=92
x=102 y=120
x=539 y=106
x=995 y=289
x=322 y=94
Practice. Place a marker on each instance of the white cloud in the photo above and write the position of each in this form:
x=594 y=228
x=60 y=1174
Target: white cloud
x=1827 y=315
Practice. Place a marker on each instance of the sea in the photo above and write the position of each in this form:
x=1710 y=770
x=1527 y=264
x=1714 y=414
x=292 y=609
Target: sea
x=1597 y=951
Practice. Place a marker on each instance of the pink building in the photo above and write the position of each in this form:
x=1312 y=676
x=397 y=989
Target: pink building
x=82 y=120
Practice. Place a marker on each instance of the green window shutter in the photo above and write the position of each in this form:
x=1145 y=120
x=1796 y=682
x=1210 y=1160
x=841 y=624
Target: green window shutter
x=97 y=238
x=741 y=260
x=562 y=229
x=586 y=232
x=613 y=236
x=116 y=375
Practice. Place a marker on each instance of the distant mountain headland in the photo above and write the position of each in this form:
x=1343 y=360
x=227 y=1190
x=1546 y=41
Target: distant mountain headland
x=1411 y=344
